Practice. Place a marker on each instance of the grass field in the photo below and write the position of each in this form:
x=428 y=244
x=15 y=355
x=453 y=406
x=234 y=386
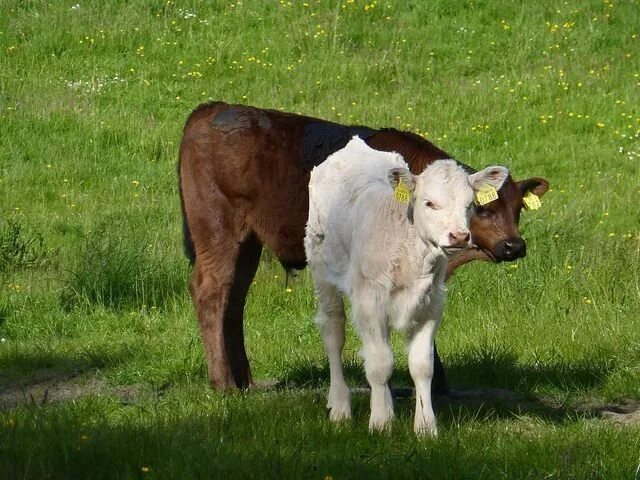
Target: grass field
x=101 y=366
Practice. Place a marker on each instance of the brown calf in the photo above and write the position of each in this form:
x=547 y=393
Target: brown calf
x=244 y=175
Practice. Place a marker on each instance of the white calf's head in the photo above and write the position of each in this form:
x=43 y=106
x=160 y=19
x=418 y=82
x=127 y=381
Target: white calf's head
x=441 y=198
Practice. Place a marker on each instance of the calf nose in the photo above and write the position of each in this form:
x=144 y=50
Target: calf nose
x=511 y=249
x=459 y=238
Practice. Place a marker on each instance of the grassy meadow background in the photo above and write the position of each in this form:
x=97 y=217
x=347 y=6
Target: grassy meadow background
x=101 y=366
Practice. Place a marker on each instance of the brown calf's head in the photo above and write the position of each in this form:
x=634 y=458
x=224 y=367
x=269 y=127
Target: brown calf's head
x=494 y=226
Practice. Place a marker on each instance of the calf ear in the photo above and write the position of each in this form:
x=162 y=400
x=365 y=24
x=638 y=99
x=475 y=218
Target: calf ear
x=493 y=176
x=397 y=174
x=536 y=185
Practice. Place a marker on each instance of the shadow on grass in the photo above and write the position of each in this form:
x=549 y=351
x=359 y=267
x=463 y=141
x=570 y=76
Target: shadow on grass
x=503 y=369
x=487 y=368
x=489 y=381
x=246 y=437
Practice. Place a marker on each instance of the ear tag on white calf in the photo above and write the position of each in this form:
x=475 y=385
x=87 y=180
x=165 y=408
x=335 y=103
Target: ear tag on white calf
x=531 y=201
x=401 y=192
x=486 y=194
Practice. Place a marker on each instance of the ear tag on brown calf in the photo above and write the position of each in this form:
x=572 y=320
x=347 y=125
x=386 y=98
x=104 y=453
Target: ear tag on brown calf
x=486 y=194
x=531 y=201
x=401 y=192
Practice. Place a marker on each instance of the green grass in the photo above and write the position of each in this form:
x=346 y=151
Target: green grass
x=93 y=280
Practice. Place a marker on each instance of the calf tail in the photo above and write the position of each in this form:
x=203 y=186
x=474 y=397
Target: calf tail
x=187 y=241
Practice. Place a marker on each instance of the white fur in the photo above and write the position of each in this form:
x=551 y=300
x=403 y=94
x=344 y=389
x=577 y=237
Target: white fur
x=360 y=243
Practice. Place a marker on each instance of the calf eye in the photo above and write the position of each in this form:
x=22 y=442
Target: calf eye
x=430 y=204
x=481 y=211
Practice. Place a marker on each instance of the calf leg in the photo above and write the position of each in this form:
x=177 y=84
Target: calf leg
x=210 y=286
x=421 y=353
x=439 y=386
x=331 y=323
x=225 y=263
x=233 y=331
x=378 y=360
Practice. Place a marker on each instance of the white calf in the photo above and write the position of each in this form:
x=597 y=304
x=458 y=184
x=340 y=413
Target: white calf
x=390 y=259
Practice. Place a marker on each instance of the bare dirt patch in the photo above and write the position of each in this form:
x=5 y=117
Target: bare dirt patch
x=43 y=388
x=624 y=412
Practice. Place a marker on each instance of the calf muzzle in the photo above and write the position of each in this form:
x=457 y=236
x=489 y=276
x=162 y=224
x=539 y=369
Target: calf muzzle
x=459 y=238
x=510 y=249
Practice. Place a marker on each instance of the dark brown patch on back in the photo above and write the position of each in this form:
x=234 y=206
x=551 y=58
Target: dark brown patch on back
x=238 y=118
x=321 y=139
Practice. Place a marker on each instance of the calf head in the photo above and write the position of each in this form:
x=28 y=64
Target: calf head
x=494 y=226
x=441 y=200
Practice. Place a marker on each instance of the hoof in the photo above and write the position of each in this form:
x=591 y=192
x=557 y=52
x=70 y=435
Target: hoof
x=426 y=430
x=339 y=414
x=380 y=424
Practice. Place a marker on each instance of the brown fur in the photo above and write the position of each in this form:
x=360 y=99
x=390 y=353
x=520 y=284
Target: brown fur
x=244 y=175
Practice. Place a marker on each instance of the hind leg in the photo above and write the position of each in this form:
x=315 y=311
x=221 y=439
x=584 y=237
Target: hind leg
x=233 y=324
x=210 y=286
x=331 y=320
x=439 y=386
x=226 y=258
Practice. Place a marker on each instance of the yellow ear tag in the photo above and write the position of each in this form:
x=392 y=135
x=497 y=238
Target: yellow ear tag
x=531 y=201
x=486 y=194
x=401 y=192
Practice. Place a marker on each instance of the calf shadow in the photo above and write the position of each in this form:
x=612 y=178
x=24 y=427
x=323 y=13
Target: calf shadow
x=485 y=369
x=500 y=367
x=484 y=383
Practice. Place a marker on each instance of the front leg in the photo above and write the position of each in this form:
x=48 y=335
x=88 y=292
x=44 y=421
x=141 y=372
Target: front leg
x=421 y=365
x=378 y=359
